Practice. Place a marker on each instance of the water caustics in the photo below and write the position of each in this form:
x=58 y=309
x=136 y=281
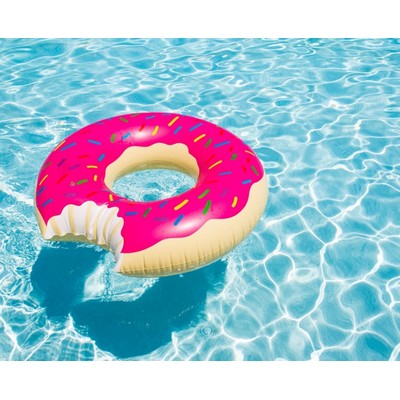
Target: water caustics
x=319 y=278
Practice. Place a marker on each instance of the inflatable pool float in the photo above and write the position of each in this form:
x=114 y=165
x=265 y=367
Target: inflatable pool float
x=74 y=198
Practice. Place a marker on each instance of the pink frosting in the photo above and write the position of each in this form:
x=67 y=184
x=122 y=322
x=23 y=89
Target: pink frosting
x=74 y=173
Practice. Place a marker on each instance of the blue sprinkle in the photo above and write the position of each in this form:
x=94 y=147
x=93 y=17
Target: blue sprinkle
x=163 y=203
x=222 y=143
x=101 y=157
x=74 y=166
x=61 y=162
x=126 y=136
x=225 y=173
x=177 y=130
x=40 y=191
x=195 y=126
x=245 y=182
x=94 y=142
x=178 y=220
x=150 y=116
x=131 y=213
x=68 y=146
x=47 y=202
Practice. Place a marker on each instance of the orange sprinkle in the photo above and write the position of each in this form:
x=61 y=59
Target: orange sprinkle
x=180 y=205
x=155 y=131
x=111 y=197
x=215 y=164
x=249 y=152
x=43 y=180
x=173 y=121
x=235 y=200
x=95 y=178
x=91 y=166
x=199 y=137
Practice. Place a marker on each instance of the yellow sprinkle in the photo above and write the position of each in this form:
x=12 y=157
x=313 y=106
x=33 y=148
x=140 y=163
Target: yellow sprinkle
x=59 y=145
x=95 y=178
x=91 y=166
x=249 y=152
x=215 y=164
x=180 y=205
x=43 y=180
x=173 y=121
x=199 y=137
x=235 y=199
x=155 y=130
x=111 y=197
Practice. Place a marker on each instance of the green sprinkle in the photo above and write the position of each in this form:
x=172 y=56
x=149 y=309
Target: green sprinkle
x=254 y=169
x=146 y=212
x=112 y=138
x=208 y=143
x=234 y=155
x=204 y=193
x=81 y=181
x=123 y=119
x=207 y=207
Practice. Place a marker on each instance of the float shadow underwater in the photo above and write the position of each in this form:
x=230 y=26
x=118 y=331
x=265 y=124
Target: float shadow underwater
x=123 y=328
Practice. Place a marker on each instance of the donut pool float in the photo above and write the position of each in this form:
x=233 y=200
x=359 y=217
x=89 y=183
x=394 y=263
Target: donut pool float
x=74 y=198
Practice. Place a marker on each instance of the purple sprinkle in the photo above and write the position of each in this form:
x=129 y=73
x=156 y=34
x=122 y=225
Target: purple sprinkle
x=222 y=143
x=61 y=162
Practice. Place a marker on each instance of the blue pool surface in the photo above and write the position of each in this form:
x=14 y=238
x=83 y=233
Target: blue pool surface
x=318 y=279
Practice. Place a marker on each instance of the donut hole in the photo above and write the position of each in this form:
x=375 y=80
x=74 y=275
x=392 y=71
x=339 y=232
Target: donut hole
x=153 y=184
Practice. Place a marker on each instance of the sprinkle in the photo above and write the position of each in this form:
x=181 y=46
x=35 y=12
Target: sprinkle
x=101 y=156
x=221 y=132
x=213 y=181
x=195 y=126
x=126 y=136
x=81 y=181
x=95 y=178
x=91 y=194
x=234 y=155
x=208 y=143
x=244 y=168
x=84 y=156
x=173 y=121
x=112 y=138
x=231 y=148
x=245 y=182
x=150 y=116
x=221 y=143
x=47 y=202
x=91 y=166
x=249 y=152
x=40 y=184
x=155 y=130
x=61 y=162
x=210 y=158
x=74 y=166
x=163 y=203
x=248 y=159
x=225 y=173
x=123 y=119
x=40 y=191
x=68 y=146
x=224 y=192
x=111 y=197
x=146 y=212
x=215 y=164
x=60 y=145
x=207 y=207
x=141 y=128
x=62 y=178
x=234 y=202
x=180 y=205
x=47 y=164
x=128 y=213
x=254 y=170
x=178 y=219
x=199 y=137
x=161 y=219
x=134 y=115
x=94 y=142
x=177 y=129
x=205 y=193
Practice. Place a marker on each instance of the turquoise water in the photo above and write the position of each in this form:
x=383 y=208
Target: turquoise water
x=319 y=278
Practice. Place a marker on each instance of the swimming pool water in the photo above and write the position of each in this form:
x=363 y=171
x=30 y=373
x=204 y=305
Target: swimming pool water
x=319 y=278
